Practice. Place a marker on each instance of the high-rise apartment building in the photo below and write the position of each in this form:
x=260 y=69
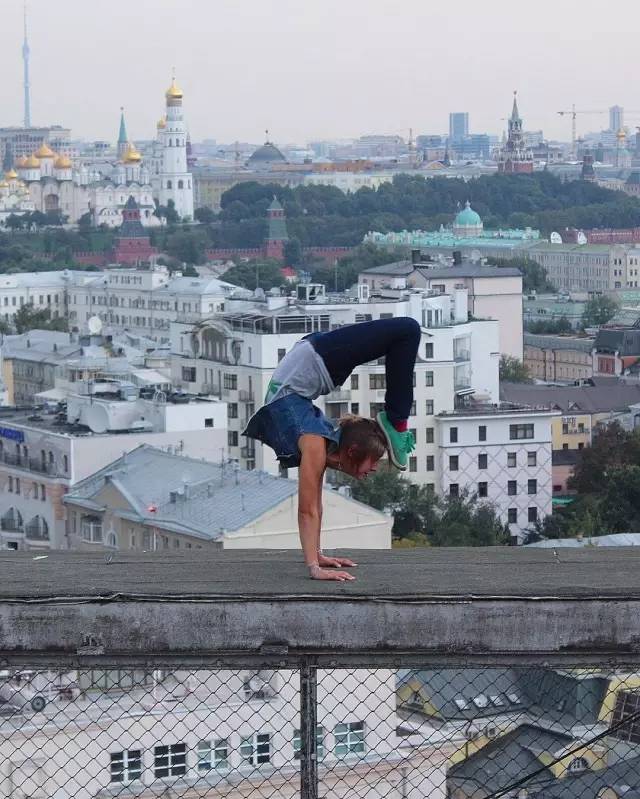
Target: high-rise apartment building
x=616 y=118
x=458 y=125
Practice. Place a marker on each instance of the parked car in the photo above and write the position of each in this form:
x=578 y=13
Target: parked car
x=16 y=690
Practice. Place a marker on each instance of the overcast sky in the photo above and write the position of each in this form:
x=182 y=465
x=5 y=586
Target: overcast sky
x=309 y=69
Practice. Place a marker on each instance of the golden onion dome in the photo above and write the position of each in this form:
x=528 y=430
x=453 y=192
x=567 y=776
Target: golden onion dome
x=62 y=162
x=4 y=184
x=11 y=174
x=44 y=151
x=621 y=135
x=21 y=162
x=162 y=123
x=174 y=92
x=132 y=156
x=33 y=162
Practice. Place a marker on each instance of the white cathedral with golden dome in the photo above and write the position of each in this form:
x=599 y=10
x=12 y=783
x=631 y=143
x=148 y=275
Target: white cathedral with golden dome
x=49 y=182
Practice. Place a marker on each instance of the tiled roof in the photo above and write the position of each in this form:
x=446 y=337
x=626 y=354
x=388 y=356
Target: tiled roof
x=600 y=398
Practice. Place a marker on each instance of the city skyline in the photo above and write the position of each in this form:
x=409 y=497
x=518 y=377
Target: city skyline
x=314 y=72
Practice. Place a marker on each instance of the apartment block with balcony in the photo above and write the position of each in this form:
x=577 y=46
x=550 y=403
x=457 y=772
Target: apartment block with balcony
x=146 y=301
x=502 y=455
x=44 y=452
x=233 y=357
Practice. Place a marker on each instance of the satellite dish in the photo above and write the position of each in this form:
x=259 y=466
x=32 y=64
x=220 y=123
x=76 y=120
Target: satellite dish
x=556 y=238
x=95 y=325
x=581 y=238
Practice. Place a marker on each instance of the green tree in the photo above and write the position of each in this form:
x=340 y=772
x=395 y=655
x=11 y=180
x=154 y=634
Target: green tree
x=599 y=310
x=611 y=449
x=293 y=252
x=512 y=370
x=14 y=222
x=28 y=318
x=204 y=215
x=167 y=212
x=85 y=222
x=267 y=273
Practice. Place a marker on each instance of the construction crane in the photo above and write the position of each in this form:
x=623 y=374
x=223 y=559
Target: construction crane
x=574 y=114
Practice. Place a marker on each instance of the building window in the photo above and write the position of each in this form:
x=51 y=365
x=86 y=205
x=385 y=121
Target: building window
x=428 y=349
x=453 y=435
x=349 y=738
x=512 y=516
x=355 y=408
x=428 y=379
x=126 y=766
x=232 y=410
x=512 y=488
x=413 y=464
x=189 y=374
x=412 y=410
x=520 y=431
x=627 y=704
x=43 y=492
x=532 y=486
x=482 y=460
x=532 y=514
x=375 y=408
x=454 y=490
x=354 y=382
x=453 y=463
x=17 y=485
x=532 y=458
x=170 y=761
x=482 y=432
x=565 y=428
x=483 y=489
x=213 y=755
x=232 y=438
x=208 y=422
x=256 y=749
x=512 y=460
x=430 y=463
x=429 y=431
x=429 y=408
x=65 y=462
x=230 y=382
x=377 y=382
x=297 y=743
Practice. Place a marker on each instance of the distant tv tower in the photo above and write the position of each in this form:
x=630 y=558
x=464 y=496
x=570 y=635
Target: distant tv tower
x=27 y=87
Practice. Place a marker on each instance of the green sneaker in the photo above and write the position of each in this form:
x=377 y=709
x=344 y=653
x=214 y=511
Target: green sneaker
x=400 y=444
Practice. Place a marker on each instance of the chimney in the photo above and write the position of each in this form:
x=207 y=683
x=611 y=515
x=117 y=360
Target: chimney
x=457 y=257
x=416 y=257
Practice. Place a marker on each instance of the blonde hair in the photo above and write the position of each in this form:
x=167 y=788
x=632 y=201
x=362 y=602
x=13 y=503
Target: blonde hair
x=364 y=436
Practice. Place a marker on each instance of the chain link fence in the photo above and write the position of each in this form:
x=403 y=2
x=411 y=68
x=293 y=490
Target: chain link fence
x=406 y=730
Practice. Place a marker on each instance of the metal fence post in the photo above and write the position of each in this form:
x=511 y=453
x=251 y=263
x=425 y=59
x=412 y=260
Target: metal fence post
x=308 y=727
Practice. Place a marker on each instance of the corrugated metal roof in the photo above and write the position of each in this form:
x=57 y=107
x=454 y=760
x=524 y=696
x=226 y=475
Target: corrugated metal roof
x=217 y=498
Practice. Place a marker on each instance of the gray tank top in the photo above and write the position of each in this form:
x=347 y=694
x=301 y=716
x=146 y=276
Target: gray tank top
x=302 y=371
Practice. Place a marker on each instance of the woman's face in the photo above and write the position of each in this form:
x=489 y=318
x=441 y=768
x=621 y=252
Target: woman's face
x=360 y=470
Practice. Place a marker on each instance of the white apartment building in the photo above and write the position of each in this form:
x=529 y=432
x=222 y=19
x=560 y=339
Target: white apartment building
x=492 y=292
x=233 y=356
x=43 y=290
x=212 y=734
x=44 y=453
x=503 y=455
x=146 y=301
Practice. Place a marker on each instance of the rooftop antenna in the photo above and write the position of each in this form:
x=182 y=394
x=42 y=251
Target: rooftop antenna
x=27 y=84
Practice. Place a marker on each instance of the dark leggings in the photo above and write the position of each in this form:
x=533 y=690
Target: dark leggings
x=396 y=340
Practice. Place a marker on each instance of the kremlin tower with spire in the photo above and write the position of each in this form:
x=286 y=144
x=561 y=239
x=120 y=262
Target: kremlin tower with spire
x=515 y=157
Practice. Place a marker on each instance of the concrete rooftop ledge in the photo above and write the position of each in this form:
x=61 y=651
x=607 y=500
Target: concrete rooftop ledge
x=508 y=603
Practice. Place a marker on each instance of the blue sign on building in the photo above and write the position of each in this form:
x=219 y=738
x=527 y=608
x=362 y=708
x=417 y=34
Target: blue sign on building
x=14 y=435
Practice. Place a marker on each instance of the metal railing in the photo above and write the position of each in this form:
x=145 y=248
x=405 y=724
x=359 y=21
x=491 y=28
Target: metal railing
x=241 y=726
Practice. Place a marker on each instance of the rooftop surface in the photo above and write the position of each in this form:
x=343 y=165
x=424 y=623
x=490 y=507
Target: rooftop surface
x=418 y=574
x=493 y=605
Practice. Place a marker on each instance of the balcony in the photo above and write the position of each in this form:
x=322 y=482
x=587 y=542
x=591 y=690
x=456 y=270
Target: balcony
x=30 y=464
x=230 y=673
x=338 y=395
x=460 y=356
x=246 y=396
x=248 y=452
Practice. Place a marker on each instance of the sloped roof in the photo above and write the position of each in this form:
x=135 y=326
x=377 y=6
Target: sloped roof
x=613 y=395
x=218 y=497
